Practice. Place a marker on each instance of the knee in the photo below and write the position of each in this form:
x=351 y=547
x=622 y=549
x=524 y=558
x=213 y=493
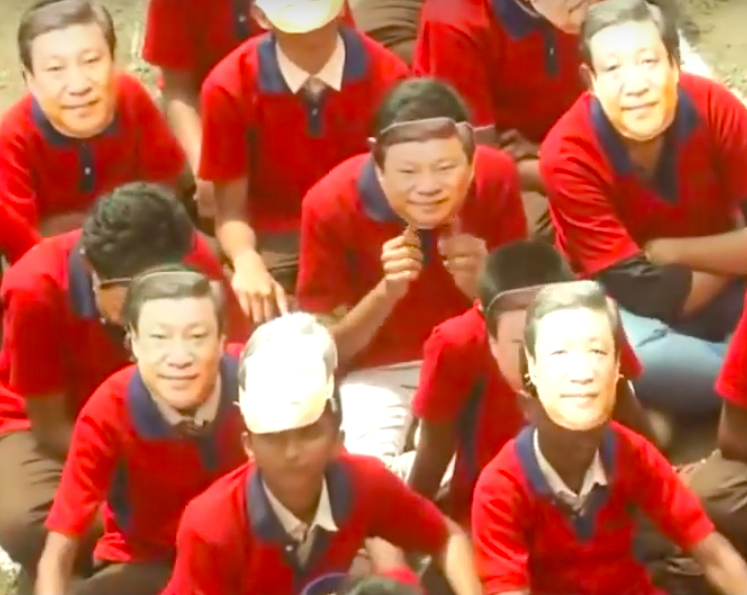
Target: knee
x=22 y=536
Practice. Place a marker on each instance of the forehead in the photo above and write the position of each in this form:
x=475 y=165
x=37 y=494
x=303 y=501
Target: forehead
x=77 y=37
x=574 y=325
x=177 y=313
x=426 y=151
x=626 y=39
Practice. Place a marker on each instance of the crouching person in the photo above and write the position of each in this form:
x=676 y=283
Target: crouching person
x=301 y=508
x=152 y=437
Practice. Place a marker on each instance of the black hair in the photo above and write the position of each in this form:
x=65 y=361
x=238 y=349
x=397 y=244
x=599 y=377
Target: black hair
x=46 y=16
x=172 y=281
x=136 y=227
x=518 y=265
x=610 y=13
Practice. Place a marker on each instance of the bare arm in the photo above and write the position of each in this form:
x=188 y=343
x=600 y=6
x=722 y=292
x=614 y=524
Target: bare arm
x=51 y=425
x=55 y=569
x=181 y=95
x=722 y=566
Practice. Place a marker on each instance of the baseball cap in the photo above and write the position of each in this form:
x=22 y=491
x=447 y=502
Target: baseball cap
x=300 y=16
x=286 y=374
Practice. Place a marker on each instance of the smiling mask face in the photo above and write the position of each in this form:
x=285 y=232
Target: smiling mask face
x=575 y=368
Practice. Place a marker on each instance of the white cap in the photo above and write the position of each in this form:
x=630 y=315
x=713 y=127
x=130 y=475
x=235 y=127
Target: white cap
x=286 y=374
x=300 y=16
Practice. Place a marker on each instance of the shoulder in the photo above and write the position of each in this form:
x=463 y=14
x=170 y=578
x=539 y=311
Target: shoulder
x=337 y=189
x=108 y=399
x=463 y=334
x=493 y=165
x=712 y=100
x=239 y=67
x=43 y=269
x=468 y=16
x=501 y=477
x=572 y=132
x=17 y=125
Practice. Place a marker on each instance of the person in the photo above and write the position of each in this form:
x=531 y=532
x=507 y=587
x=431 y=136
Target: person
x=311 y=80
x=393 y=23
x=391 y=243
x=62 y=314
x=82 y=129
x=379 y=585
x=301 y=508
x=185 y=40
x=150 y=438
x=469 y=406
x=553 y=511
x=651 y=160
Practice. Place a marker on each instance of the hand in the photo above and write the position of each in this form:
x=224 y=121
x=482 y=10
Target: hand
x=260 y=296
x=463 y=256
x=205 y=199
x=402 y=261
x=513 y=143
x=661 y=251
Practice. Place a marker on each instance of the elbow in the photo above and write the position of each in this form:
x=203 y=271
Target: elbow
x=732 y=448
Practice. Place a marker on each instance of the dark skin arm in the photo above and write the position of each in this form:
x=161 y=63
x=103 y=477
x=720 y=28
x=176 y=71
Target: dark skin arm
x=521 y=150
x=436 y=446
x=181 y=95
x=50 y=424
x=629 y=412
x=722 y=566
x=732 y=428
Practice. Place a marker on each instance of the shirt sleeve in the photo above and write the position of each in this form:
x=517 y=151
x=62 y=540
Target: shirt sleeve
x=446 y=378
x=171 y=40
x=88 y=469
x=729 y=121
x=498 y=514
x=17 y=188
x=33 y=316
x=225 y=125
x=449 y=53
x=18 y=236
x=403 y=517
x=666 y=500
x=162 y=159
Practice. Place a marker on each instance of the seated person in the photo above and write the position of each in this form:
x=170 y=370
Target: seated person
x=391 y=244
x=553 y=511
x=62 y=310
x=516 y=62
x=83 y=129
x=645 y=177
x=393 y=23
x=185 y=39
x=278 y=114
x=301 y=508
x=152 y=437
x=469 y=406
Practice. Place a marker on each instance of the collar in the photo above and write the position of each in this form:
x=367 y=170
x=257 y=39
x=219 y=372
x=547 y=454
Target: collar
x=55 y=137
x=517 y=20
x=532 y=467
x=205 y=413
x=148 y=421
x=354 y=57
x=80 y=285
x=267 y=524
x=595 y=476
x=296 y=528
x=685 y=121
x=331 y=73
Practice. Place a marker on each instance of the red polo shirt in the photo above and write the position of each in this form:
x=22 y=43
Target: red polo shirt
x=46 y=173
x=603 y=212
x=54 y=342
x=125 y=455
x=347 y=219
x=230 y=541
x=254 y=127
x=194 y=35
x=523 y=537
x=461 y=383
x=515 y=70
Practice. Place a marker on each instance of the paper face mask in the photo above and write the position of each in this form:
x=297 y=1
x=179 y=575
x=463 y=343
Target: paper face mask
x=575 y=368
x=425 y=169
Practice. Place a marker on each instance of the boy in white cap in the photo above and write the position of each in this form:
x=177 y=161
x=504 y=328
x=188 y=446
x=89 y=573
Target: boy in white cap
x=300 y=509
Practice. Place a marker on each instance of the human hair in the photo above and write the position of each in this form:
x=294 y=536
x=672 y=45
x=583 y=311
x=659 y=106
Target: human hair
x=611 y=13
x=136 y=227
x=378 y=585
x=574 y=295
x=171 y=282
x=517 y=265
x=419 y=98
x=45 y=16
x=290 y=329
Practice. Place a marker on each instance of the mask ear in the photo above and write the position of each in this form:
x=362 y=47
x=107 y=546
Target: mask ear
x=259 y=16
x=132 y=343
x=587 y=76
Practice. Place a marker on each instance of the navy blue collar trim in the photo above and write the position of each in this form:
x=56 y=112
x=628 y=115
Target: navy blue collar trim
x=146 y=417
x=271 y=78
x=686 y=120
x=55 y=137
x=269 y=528
x=517 y=22
x=80 y=285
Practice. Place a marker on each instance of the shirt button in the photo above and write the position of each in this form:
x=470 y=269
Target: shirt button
x=87 y=171
x=242 y=18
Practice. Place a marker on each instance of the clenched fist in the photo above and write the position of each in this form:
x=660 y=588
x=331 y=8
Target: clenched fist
x=402 y=261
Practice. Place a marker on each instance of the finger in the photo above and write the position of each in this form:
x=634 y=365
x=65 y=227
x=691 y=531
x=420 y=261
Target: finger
x=244 y=302
x=269 y=307
x=281 y=299
x=461 y=264
x=507 y=137
x=455 y=226
x=411 y=236
x=404 y=253
x=257 y=310
x=400 y=266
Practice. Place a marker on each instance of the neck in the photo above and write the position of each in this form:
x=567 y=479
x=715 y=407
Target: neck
x=311 y=55
x=297 y=503
x=569 y=453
